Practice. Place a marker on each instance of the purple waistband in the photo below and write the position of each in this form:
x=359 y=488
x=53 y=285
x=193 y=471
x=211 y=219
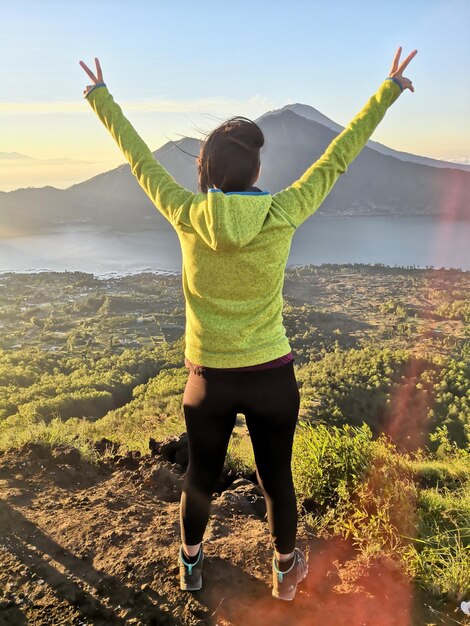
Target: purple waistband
x=282 y=360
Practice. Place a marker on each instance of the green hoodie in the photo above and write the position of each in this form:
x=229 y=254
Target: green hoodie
x=235 y=245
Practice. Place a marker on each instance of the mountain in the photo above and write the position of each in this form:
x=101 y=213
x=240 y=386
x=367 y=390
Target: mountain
x=312 y=114
x=376 y=183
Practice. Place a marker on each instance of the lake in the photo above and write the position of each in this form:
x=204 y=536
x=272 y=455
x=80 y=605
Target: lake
x=395 y=241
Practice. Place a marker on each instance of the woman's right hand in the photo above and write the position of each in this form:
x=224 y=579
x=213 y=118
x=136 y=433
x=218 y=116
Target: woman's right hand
x=396 y=70
x=96 y=79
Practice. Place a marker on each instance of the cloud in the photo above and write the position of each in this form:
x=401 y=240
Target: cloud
x=460 y=160
x=14 y=159
x=256 y=103
x=40 y=108
x=60 y=173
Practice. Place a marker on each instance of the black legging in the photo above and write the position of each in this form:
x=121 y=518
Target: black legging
x=269 y=399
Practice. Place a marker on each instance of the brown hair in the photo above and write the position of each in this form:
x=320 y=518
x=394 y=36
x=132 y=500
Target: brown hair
x=229 y=157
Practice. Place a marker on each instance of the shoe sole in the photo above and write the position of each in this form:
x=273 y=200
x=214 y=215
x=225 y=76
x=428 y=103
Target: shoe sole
x=285 y=597
x=187 y=588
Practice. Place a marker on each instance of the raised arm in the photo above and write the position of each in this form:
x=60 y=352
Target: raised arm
x=302 y=198
x=162 y=189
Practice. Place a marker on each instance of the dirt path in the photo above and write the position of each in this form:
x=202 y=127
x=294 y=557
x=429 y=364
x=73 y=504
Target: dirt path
x=81 y=544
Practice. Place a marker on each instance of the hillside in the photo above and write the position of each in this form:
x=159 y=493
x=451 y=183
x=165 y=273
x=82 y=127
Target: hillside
x=98 y=545
x=93 y=452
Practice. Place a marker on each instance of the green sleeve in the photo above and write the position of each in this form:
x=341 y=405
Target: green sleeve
x=162 y=189
x=302 y=198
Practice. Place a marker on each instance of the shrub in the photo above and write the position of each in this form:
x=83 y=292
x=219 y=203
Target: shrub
x=329 y=462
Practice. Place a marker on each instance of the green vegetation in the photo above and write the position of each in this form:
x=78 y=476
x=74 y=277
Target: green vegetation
x=357 y=487
x=382 y=448
x=393 y=392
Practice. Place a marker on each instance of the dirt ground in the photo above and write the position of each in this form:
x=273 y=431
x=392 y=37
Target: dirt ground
x=98 y=544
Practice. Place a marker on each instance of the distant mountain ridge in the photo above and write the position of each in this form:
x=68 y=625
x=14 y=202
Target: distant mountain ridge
x=378 y=182
x=312 y=114
x=13 y=156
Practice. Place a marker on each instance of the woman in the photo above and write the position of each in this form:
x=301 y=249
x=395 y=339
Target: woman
x=235 y=241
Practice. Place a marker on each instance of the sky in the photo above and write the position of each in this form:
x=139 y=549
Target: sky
x=179 y=68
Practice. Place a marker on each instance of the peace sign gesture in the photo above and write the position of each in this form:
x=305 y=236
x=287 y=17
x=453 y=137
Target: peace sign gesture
x=396 y=70
x=96 y=79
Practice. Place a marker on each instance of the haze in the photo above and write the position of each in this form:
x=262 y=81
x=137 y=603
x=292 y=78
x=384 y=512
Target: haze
x=178 y=69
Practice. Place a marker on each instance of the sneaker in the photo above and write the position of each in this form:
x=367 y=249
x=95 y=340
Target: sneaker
x=285 y=583
x=191 y=573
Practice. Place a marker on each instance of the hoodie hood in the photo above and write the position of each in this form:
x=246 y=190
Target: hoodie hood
x=227 y=221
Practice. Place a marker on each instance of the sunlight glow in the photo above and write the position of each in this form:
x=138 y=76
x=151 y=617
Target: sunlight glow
x=257 y=103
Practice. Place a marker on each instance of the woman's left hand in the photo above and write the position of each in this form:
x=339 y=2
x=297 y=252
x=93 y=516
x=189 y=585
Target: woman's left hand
x=96 y=79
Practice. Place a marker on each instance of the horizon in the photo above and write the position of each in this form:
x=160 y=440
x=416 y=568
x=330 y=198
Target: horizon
x=45 y=117
x=65 y=163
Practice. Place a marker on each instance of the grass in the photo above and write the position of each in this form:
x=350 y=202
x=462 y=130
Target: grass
x=82 y=433
x=382 y=508
x=442 y=564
